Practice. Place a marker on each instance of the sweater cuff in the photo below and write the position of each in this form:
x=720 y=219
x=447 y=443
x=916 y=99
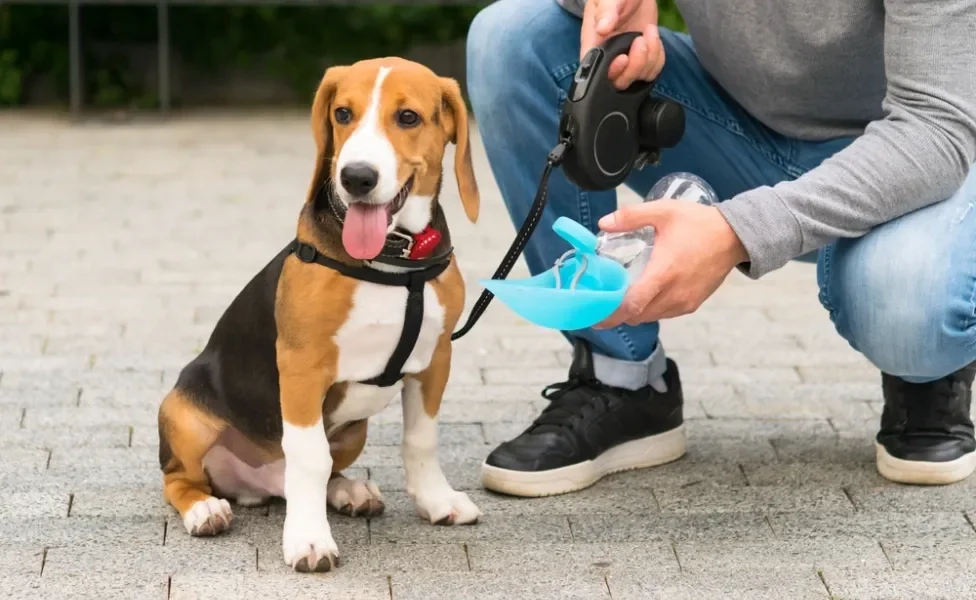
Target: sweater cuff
x=766 y=227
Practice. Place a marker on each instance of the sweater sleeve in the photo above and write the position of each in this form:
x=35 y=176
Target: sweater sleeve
x=918 y=154
x=573 y=6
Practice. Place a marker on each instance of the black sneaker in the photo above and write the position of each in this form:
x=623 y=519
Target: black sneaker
x=926 y=432
x=589 y=430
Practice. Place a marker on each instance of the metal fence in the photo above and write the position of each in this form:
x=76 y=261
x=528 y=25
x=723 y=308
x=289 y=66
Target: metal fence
x=76 y=68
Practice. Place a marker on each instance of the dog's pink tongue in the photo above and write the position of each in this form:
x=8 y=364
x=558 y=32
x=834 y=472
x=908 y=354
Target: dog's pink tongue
x=364 y=230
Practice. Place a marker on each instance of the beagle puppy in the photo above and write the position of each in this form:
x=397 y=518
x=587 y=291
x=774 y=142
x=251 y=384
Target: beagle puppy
x=359 y=307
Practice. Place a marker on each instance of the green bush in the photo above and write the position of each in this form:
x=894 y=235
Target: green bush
x=292 y=42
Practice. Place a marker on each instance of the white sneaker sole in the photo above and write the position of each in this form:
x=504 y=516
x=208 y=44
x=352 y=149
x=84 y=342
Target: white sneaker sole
x=924 y=473
x=638 y=454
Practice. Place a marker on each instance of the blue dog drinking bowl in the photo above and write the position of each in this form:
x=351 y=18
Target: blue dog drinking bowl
x=579 y=292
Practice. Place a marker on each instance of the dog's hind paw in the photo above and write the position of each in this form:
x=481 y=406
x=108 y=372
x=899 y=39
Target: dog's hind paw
x=208 y=517
x=252 y=501
x=355 y=498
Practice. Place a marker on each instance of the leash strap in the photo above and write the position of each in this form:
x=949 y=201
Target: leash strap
x=554 y=159
x=413 y=316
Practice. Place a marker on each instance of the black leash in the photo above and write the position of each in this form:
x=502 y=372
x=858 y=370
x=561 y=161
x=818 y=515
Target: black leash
x=554 y=159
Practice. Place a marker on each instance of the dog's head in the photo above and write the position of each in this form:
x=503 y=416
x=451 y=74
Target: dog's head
x=381 y=127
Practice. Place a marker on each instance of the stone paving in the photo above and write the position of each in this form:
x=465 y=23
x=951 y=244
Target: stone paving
x=121 y=246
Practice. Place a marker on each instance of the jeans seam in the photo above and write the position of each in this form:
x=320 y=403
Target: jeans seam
x=627 y=341
x=731 y=126
x=825 y=288
x=562 y=71
x=971 y=322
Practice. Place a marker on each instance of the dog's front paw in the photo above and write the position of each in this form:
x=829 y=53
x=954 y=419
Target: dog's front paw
x=208 y=517
x=309 y=547
x=447 y=507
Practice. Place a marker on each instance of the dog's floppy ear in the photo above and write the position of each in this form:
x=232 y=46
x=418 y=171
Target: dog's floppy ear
x=322 y=127
x=455 y=123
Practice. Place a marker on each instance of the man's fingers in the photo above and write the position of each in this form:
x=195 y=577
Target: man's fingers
x=599 y=20
x=655 y=53
x=636 y=65
x=641 y=294
x=617 y=67
x=607 y=15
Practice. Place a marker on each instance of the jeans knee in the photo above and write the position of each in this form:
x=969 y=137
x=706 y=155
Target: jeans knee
x=495 y=50
x=895 y=299
x=510 y=45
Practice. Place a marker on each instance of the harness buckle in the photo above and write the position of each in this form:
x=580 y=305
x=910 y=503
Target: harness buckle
x=306 y=252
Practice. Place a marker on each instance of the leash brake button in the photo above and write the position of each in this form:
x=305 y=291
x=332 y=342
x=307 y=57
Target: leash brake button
x=581 y=81
x=587 y=63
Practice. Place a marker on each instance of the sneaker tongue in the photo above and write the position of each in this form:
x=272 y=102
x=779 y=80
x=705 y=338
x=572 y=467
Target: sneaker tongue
x=364 y=230
x=582 y=360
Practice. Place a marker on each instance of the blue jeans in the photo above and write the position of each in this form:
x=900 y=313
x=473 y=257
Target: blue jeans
x=904 y=295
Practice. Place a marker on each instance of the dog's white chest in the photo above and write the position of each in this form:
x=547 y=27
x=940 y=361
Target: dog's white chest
x=362 y=402
x=373 y=329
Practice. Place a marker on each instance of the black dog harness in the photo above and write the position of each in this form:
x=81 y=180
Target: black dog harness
x=396 y=252
x=414 y=282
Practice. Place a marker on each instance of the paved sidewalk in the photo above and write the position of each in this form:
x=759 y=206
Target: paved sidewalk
x=121 y=246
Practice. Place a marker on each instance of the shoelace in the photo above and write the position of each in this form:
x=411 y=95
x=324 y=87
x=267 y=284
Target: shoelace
x=570 y=402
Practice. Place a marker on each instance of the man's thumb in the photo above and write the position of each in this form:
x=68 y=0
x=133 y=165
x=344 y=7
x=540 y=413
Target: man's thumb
x=607 y=14
x=599 y=19
x=635 y=216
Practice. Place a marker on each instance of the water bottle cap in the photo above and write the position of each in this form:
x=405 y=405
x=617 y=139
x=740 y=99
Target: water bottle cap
x=683 y=186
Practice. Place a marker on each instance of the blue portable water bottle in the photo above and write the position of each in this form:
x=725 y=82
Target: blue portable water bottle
x=588 y=282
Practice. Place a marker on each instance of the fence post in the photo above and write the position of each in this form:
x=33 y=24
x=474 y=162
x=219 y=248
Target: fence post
x=74 y=57
x=163 y=58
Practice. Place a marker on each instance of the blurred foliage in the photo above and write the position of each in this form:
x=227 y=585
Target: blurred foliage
x=291 y=42
x=668 y=16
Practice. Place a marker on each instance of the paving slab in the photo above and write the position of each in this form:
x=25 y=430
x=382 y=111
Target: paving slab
x=799 y=584
x=523 y=584
x=941 y=584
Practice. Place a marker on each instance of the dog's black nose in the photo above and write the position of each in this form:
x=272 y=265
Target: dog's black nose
x=358 y=178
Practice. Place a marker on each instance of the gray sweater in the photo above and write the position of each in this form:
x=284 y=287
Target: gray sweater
x=900 y=74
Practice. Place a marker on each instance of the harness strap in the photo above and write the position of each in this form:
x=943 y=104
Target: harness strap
x=413 y=316
x=412 y=319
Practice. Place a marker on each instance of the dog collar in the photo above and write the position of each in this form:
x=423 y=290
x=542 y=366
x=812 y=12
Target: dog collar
x=403 y=248
x=412 y=280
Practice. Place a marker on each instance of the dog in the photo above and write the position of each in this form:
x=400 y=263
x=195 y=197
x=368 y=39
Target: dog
x=360 y=306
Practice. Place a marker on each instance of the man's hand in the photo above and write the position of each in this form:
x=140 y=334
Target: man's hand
x=694 y=251
x=605 y=18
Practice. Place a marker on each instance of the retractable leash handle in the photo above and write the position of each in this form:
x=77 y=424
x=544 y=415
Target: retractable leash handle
x=614 y=131
x=604 y=133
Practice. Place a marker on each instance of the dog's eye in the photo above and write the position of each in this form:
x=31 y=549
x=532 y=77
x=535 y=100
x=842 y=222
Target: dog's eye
x=407 y=118
x=343 y=115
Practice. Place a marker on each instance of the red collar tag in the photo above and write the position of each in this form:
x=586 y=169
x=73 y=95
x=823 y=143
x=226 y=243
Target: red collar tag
x=424 y=243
